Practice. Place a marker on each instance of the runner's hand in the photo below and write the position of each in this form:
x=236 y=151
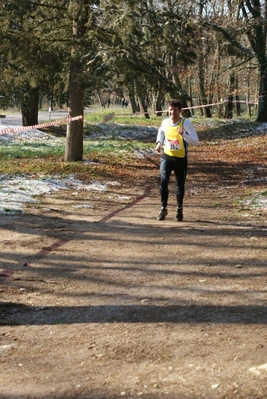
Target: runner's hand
x=158 y=147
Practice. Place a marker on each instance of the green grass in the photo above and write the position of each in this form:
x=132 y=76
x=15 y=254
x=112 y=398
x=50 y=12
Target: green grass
x=112 y=147
x=30 y=150
x=48 y=159
x=124 y=117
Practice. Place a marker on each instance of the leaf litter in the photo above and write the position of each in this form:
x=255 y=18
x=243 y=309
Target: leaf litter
x=19 y=190
x=205 y=348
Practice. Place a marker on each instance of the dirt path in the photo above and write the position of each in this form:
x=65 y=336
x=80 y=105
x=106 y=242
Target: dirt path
x=101 y=300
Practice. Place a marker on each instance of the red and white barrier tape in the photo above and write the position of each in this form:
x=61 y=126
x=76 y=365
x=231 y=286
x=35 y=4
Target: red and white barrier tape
x=75 y=118
x=33 y=127
x=222 y=103
x=193 y=107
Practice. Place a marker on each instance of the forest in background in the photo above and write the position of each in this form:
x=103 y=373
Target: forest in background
x=68 y=53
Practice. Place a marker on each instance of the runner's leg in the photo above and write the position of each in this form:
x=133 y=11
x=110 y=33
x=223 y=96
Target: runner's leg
x=180 y=176
x=166 y=168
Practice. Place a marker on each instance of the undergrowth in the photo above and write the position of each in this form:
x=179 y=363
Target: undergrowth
x=99 y=147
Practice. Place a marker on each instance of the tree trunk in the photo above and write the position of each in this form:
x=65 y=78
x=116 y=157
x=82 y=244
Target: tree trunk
x=229 y=106
x=29 y=107
x=141 y=90
x=176 y=80
x=143 y=105
x=234 y=89
x=74 y=137
x=202 y=56
x=237 y=105
x=262 y=110
x=159 y=96
x=130 y=87
x=100 y=100
x=201 y=79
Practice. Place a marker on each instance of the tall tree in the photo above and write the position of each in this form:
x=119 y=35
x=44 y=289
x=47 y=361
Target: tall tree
x=250 y=18
x=28 y=62
x=74 y=138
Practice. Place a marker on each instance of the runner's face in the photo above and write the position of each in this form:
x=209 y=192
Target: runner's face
x=174 y=113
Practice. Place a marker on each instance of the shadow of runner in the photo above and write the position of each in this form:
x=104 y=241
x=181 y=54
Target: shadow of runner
x=53 y=315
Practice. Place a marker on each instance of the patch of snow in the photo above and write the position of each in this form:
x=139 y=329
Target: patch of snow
x=17 y=191
x=29 y=136
x=83 y=206
x=257 y=201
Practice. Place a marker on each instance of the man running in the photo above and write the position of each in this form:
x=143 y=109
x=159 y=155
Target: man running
x=174 y=134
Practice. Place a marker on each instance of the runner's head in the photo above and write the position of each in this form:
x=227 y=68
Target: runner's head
x=174 y=109
x=175 y=103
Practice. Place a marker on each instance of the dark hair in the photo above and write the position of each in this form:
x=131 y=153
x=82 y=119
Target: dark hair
x=175 y=103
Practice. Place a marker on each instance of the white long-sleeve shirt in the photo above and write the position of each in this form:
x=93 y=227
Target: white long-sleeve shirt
x=190 y=134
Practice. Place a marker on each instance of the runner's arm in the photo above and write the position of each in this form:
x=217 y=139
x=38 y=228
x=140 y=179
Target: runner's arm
x=190 y=134
x=160 y=138
x=160 y=135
